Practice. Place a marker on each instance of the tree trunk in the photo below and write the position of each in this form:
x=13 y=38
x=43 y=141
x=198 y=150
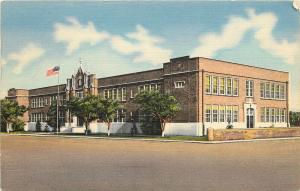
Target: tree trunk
x=108 y=128
x=162 y=127
x=7 y=127
x=86 y=128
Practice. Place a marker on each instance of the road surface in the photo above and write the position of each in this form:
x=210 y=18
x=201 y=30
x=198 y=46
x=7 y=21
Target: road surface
x=51 y=163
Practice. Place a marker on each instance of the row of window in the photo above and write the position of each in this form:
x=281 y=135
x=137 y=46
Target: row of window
x=34 y=117
x=115 y=93
x=43 y=117
x=221 y=85
x=121 y=93
x=42 y=102
x=272 y=90
x=221 y=113
x=274 y=115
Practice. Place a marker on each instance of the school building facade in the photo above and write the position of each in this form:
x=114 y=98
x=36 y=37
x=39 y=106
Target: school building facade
x=211 y=93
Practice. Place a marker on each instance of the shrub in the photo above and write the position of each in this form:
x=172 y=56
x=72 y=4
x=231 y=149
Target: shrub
x=18 y=125
x=38 y=126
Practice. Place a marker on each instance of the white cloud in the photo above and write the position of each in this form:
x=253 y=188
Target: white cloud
x=234 y=31
x=142 y=45
x=75 y=34
x=25 y=56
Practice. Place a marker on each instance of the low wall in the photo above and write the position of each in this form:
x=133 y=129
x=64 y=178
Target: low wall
x=242 y=134
x=185 y=129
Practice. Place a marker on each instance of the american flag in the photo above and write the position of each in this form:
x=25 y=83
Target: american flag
x=53 y=71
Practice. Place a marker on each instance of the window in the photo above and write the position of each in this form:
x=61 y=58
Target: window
x=283 y=115
x=215 y=113
x=115 y=94
x=106 y=94
x=221 y=85
x=123 y=94
x=131 y=94
x=272 y=95
x=208 y=84
x=222 y=113
x=147 y=87
x=277 y=115
x=262 y=114
x=46 y=101
x=272 y=115
x=123 y=115
x=179 y=84
x=153 y=87
x=249 y=88
x=208 y=113
x=215 y=85
x=235 y=113
x=141 y=88
x=282 y=92
x=267 y=115
x=229 y=114
x=79 y=94
x=119 y=97
x=262 y=90
x=277 y=89
x=228 y=86
x=110 y=93
x=267 y=90
x=235 y=87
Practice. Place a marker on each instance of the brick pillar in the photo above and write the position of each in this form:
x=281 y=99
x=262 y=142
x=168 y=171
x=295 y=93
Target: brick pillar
x=210 y=134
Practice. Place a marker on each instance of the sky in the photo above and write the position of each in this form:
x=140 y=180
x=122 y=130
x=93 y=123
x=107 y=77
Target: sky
x=113 y=38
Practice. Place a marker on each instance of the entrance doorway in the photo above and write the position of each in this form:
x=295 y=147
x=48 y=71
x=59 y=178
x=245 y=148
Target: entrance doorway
x=250 y=118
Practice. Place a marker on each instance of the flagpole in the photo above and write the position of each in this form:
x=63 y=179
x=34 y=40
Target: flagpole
x=57 y=104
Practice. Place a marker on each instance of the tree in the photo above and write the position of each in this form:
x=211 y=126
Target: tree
x=85 y=108
x=10 y=111
x=107 y=112
x=38 y=126
x=52 y=115
x=294 y=118
x=162 y=106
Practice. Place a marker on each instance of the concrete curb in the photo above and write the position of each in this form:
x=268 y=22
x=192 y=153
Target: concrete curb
x=149 y=139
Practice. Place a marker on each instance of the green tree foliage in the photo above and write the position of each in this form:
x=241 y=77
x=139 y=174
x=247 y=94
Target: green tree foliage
x=52 y=115
x=18 y=125
x=295 y=119
x=162 y=106
x=10 y=111
x=38 y=126
x=107 y=111
x=86 y=108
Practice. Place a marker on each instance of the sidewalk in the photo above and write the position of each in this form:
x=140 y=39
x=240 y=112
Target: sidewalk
x=145 y=139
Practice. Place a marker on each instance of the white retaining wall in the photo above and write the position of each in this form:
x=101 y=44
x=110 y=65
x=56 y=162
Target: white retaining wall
x=30 y=126
x=186 y=129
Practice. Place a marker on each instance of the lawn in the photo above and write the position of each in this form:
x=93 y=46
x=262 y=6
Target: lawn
x=157 y=137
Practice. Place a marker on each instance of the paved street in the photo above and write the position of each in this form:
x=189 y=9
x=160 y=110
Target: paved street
x=49 y=163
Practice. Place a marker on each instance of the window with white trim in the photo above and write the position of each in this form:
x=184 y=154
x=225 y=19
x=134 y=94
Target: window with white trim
x=131 y=94
x=228 y=114
x=249 y=88
x=179 y=84
x=215 y=85
x=208 y=84
x=228 y=86
x=235 y=87
x=222 y=113
x=235 y=116
x=124 y=94
x=208 y=113
x=215 y=111
x=221 y=85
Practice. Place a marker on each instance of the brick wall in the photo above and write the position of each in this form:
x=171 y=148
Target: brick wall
x=243 y=134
